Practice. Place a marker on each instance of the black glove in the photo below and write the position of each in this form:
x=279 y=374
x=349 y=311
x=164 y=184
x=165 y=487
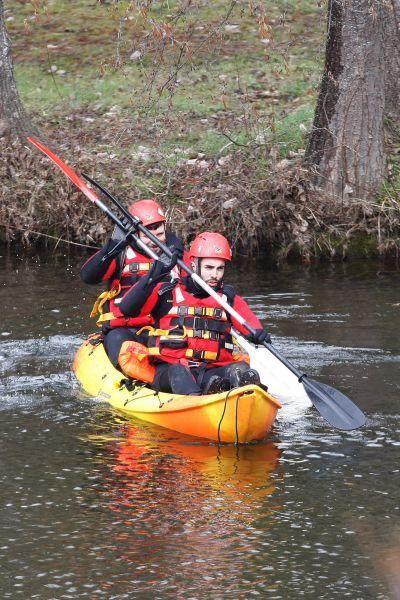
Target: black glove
x=178 y=250
x=174 y=244
x=127 y=227
x=113 y=248
x=163 y=265
x=259 y=337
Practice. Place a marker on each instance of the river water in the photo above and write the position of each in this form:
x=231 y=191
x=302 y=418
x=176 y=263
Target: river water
x=95 y=506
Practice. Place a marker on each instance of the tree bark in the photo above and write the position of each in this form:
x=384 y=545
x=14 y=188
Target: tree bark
x=347 y=140
x=14 y=121
x=391 y=17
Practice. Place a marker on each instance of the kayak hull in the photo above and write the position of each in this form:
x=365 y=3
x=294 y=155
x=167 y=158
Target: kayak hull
x=241 y=415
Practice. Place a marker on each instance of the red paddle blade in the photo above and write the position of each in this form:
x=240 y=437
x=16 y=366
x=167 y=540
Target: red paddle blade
x=74 y=177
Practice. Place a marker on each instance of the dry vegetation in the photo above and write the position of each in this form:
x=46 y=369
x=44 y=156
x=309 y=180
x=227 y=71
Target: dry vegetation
x=262 y=210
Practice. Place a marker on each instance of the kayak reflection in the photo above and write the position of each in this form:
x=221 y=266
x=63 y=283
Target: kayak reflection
x=181 y=510
x=185 y=472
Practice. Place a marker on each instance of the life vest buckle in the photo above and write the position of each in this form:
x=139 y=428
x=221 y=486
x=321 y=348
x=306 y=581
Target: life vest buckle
x=192 y=364
x=218 y=313
x=183 y=311
x=197 y=325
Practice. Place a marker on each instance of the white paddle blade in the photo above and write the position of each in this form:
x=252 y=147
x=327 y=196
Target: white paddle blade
x=281 y=382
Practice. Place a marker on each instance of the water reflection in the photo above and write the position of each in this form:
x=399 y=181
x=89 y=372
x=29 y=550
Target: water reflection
x=181 y=509
x=142 y=459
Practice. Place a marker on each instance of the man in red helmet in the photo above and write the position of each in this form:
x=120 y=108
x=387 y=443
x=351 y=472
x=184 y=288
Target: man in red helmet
x=191 y=343
x=120 y=265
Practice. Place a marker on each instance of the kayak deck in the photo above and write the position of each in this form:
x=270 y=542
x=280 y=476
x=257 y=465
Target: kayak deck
x=240 y=415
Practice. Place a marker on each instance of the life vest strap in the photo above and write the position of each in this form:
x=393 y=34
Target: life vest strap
x=199 y=323
x=189 y=353
x=201 y=354
x=175 y=333
x=198 y=311
x=103 y=298
x=135 y=267
x=106 y=317
x=165 y=334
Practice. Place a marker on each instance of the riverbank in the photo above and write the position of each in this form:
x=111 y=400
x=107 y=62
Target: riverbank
x=263 y=206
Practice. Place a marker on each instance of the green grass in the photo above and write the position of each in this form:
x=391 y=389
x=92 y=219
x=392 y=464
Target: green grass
x=39 y=88
x=290 y=132
x=390 y=192
x=232 y=77
x=211 y=143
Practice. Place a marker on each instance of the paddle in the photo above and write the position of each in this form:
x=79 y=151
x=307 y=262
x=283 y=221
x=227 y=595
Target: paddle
x=89 y=193
x=334 y=406
x=291 y=384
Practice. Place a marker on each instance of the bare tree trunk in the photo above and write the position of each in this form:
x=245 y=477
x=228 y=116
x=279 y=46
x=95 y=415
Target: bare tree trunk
x=391 y=16
x=13 y=118
x=347 y=140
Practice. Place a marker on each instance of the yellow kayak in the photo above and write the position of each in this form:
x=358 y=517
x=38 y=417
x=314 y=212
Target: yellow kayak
x=241 y=415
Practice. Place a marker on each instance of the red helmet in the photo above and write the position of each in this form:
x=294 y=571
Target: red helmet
x=210 y=245
x=148 y=211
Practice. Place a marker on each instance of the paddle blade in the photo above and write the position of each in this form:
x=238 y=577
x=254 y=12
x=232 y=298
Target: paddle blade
x=281 y=382
x=334 y=406
x=70 y=173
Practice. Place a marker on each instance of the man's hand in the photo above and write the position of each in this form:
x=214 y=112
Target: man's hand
x=178 y=250
x=259 y=337
x=113 y=248
x=163 y=265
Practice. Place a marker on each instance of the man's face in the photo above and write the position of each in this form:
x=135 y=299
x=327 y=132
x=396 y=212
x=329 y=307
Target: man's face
x=157 y=229
x=211 y=270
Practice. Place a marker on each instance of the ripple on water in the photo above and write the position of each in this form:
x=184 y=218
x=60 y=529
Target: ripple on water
x=34 y=371
x=13 y=352
x=98 y=507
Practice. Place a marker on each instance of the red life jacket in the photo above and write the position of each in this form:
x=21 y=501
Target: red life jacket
x=195 y=330
x=134 y=265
